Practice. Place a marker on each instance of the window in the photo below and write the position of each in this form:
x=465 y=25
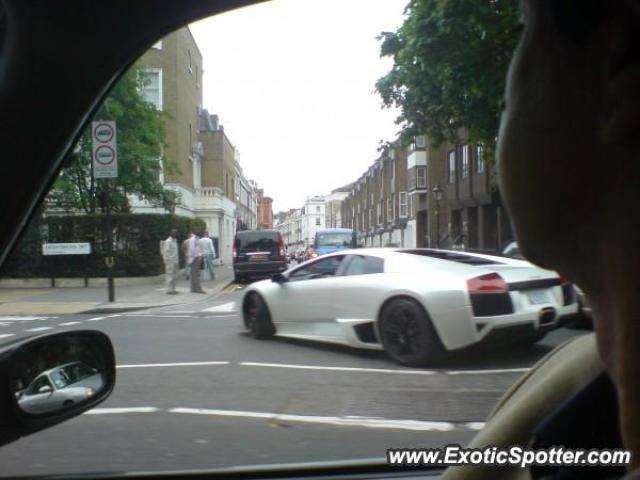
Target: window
x=317 y=208
x=39 y=384
x=421 y=177
x=479 y=159
x=465 y=161
x=152 y=86
x=317 y=221
x=451 y=166
x=390 y=209
x=364 y=265
x=326 y=267
x=403 y=205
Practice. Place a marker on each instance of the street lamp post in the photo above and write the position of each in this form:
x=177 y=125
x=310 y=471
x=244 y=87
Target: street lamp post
x=437 y=193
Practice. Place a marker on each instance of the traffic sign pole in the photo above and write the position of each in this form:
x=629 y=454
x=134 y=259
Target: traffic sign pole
x=105 y=167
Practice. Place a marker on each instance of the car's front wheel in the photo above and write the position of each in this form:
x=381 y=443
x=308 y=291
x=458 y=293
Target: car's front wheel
x=407 y=334
x=257 y=317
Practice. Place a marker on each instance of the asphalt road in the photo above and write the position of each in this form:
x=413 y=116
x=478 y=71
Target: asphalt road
x=194 y=391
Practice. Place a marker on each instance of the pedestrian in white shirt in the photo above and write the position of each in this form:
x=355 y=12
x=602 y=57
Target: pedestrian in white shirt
x=195 y=263
x=208 y=253
x=169 y=252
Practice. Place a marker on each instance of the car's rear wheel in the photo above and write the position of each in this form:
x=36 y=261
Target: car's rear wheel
x=257 y=317
x=407 y=334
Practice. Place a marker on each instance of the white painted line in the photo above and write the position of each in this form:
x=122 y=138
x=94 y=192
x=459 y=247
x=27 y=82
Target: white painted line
x=65 y=324
x=342 y=421
x=157 y=315
x=5 y=335
x=386 y=370
x=344 y=369
x=95 y=319
x=184 y=364
x=222 y=316
x=183 y=311
x=22 y=319
x=113 y=316
x=475 y=425
x=103 y=411
x=489 y=371
x=225 y=307
x=39 y=329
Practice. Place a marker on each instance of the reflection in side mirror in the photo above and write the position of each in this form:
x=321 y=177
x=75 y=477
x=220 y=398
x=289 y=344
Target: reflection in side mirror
x=53 y=377
x=278 y=278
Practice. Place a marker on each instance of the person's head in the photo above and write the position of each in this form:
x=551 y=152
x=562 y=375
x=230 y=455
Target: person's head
x=205 y=234
x=173 y=233
x=568 y=148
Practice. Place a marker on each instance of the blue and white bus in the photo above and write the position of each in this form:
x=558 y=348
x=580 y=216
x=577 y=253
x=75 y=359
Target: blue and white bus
x=333 y=239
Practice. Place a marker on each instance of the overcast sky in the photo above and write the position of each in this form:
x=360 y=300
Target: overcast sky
x=293 y=83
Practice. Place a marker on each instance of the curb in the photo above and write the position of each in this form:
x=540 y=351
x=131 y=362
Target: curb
x=121 y=309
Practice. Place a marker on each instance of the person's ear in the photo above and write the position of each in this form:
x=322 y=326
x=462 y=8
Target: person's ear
x=621 y=122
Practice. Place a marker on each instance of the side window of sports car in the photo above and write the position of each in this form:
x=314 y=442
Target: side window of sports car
x=325 y=267
x=363 y=265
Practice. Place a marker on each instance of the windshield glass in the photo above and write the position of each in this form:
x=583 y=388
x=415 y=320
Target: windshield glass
x=333 y=239
x=184 y=222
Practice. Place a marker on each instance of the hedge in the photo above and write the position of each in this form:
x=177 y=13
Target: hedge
x=136 y=245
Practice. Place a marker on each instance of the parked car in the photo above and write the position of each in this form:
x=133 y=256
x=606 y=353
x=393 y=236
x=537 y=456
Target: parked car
x=585 y=318
x=258 y=253
x=415 y=304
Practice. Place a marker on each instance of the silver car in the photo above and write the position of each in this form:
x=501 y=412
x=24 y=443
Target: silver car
x=60 y=387
x=415 y=304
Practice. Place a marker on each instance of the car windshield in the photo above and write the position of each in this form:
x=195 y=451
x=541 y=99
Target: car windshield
x=333 y=239
x=184 y=224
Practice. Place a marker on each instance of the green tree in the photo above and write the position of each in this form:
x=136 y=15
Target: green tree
x=450 y=63
x=140 y=141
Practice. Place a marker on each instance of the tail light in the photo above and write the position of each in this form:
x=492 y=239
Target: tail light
x=236 y=246
x=568 y=292
x=489 y=295
x=489 y=283
x=281 y=245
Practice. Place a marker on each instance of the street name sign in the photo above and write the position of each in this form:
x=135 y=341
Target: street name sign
x=66 y=248
x=104 y=151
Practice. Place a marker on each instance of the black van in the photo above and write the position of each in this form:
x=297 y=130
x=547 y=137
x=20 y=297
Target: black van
x=258 y=253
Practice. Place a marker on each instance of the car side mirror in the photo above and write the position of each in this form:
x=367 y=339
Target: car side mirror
x=279 y=278
x=80 y=363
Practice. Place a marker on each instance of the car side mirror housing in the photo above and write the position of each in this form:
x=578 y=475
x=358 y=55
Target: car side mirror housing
x=279 y=278
x=79 y=365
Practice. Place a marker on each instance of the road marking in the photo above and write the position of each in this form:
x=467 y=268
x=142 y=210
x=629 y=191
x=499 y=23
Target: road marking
x=113 y=316
x=64 y=324
x=156 y=315
x=351 y=421
x=39 y=329
x=103 y=411
x=345 y=369
x=222 y=316
x=5 y=335
x=225 y=307
x=23 y=319
x=183 y=311
x=386 y=370
x=95 y=319
x=495 y=370
x=184 y=364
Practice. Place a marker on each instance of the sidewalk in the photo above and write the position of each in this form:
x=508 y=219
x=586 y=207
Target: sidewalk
x=57 y=301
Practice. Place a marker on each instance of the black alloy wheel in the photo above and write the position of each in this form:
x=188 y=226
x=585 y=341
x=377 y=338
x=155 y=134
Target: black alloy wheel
x=257 y=318
x=407 y=334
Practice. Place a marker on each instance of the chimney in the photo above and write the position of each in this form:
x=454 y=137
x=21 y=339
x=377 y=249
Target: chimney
x=214 y=122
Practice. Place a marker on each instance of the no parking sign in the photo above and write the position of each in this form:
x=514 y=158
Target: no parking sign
x=105 y=153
